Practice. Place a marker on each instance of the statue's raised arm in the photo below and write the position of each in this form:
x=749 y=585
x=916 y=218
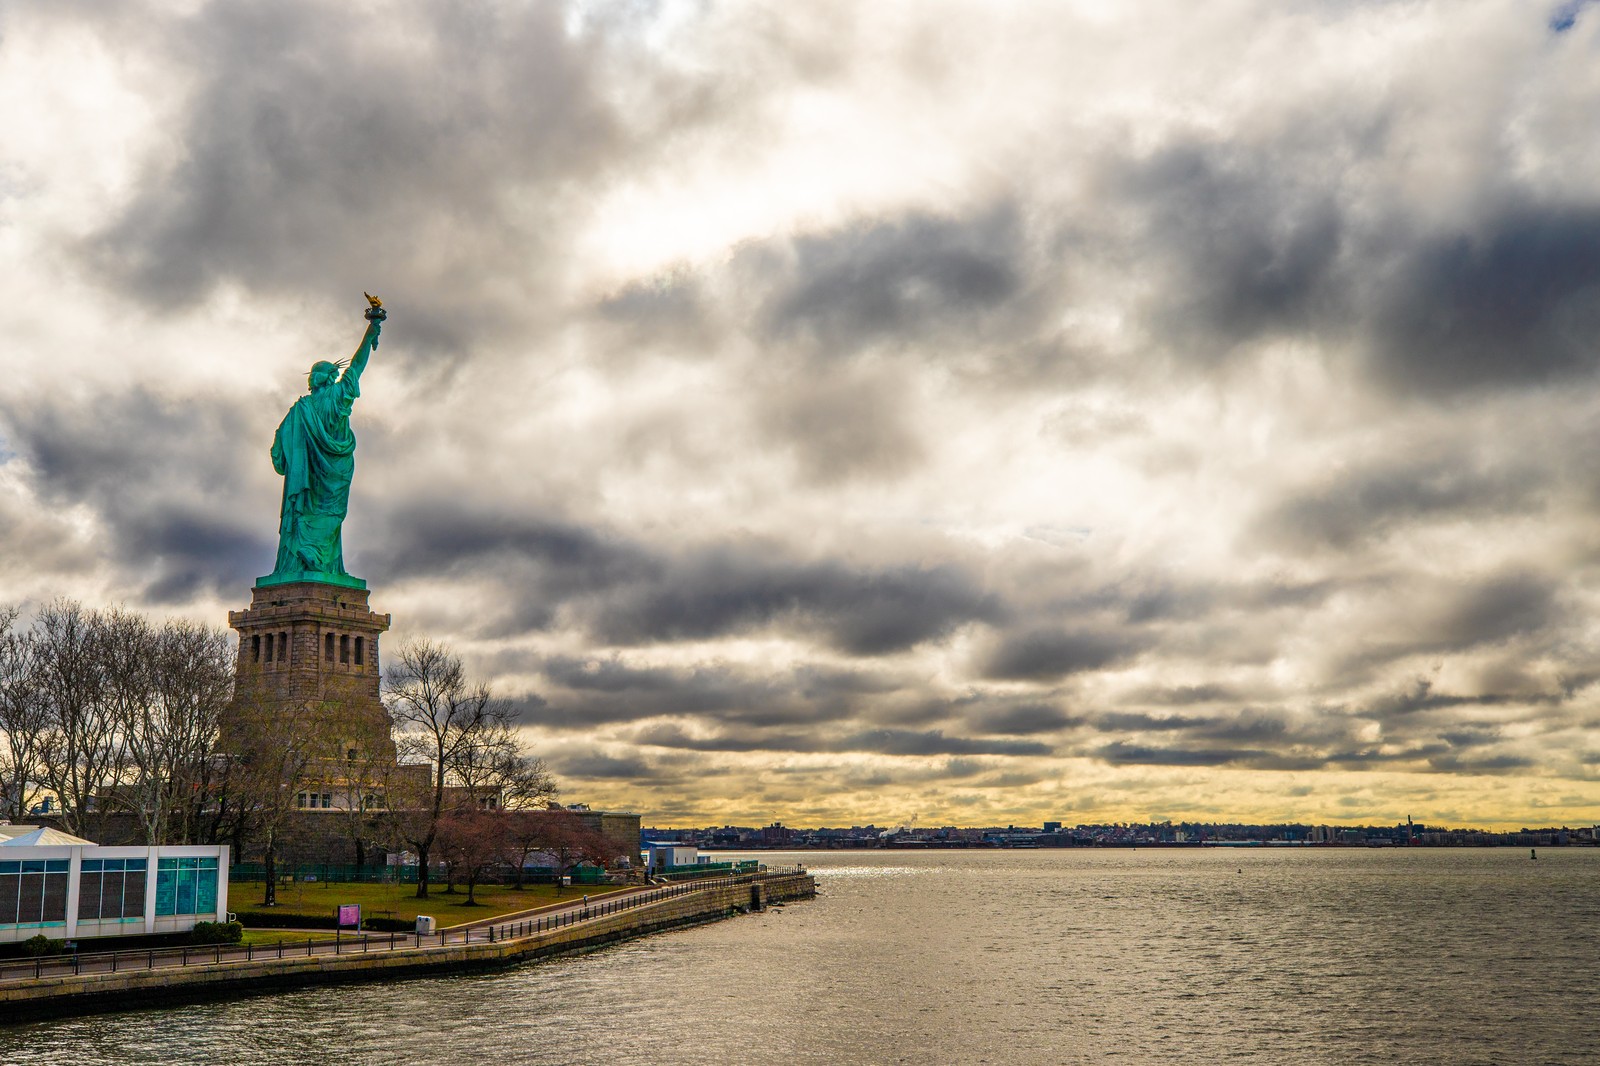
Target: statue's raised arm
x=314 y=449
x=358 y=361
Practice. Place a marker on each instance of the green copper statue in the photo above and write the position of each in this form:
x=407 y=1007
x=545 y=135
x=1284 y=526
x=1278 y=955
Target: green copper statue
x=315 y=451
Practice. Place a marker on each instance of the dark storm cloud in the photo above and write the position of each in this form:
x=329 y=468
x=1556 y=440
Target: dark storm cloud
x=1369 y=504
x=1422 y=697
x=1119 y=753
x=1171 y=602
x=732 y=739
x=605 y=690
x=177 y=518
x=934 y=742
x=1185 y=695
x=1323 y=737
x=598 y=765
x=668 y=302
x=1489 y=764
x=195 y=554
x=900 y=742
x=895 y=279
x=1457 y=615
x=1515 y=301
x=740 y=700
x=1261 y=240
x=739 y=588
x=1435 y=755
x=627 y=594
x=1045 y=654
x=1250 y=248
x=666 y=314
x=1501 y=608
x=547 y=562
x=1023 y=719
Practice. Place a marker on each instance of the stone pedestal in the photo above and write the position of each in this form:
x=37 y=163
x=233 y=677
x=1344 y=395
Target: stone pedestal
x=313 y=644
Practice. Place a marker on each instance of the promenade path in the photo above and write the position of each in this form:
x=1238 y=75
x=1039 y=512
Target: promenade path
x=497 y=929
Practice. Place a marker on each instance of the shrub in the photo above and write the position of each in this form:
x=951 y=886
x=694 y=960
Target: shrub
x=39 y=944
x=388 y=925
x=216 y=933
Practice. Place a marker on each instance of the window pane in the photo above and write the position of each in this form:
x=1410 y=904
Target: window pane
x=205 y=900
x=166 y=889
x=111 y=895
x=133 y=864
x=133 y=895
x=89 y=893
x=186 y=893
x=30 y=898
x=55 y=897
x=8 y=898
x=92 y=865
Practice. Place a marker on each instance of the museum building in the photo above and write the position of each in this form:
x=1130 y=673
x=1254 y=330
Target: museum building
x=68 y=888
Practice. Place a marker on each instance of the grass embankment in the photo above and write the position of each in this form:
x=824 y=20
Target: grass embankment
x=319 y=900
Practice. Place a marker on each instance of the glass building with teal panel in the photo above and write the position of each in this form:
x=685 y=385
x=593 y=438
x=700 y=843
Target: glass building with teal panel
x=68 y=888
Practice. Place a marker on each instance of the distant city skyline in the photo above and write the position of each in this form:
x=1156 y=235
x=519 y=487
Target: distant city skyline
x=1055 y=834
x=992 y=413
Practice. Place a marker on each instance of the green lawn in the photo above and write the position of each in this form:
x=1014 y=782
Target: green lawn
x=322 y=898
x=271 y=937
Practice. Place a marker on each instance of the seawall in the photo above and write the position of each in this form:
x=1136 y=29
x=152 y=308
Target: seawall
x=31 y=999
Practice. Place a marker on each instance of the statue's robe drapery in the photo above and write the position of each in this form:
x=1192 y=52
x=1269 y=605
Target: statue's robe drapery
x=315 y=451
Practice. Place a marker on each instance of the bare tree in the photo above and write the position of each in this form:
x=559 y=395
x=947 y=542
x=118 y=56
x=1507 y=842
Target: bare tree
x=365 y=777
x=447 y=723
x=276 y=750
x=471 y=840
x=172 y=731
x=83 y=751
x=22 y=719
x=561 y=834
x=525 y=783
x=526 y=788
x=525 y=838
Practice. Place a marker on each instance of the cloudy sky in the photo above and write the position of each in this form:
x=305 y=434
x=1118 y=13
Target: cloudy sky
x=839 y=412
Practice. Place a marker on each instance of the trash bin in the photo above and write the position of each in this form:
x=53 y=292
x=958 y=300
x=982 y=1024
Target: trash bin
x=425 y=925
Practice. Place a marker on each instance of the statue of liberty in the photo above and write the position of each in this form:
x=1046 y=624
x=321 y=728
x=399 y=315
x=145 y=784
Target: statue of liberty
x=315 y=451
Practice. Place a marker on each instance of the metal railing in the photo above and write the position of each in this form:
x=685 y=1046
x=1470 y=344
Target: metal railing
x=80 y=963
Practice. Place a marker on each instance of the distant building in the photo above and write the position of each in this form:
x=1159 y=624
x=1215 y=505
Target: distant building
x=621 y=828
x=776 y=835
x=661 y=855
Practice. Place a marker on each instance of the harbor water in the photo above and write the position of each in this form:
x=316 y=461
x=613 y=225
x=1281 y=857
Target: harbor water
x=1314 y=956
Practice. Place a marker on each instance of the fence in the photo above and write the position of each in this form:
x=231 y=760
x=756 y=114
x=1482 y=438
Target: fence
x=327 y=871
x=360 y=944
x=399 y=875
x=701 y=869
